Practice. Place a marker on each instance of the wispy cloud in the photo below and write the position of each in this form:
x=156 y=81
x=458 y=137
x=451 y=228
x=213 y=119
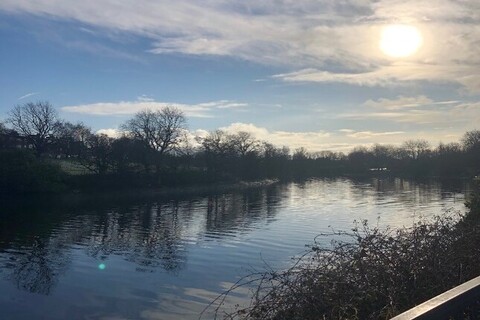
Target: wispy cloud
x=370 y=134
x=31 y=94
x=201 y=110
x=315 y=40
x=418 y=110
x=369 y=138
x=402 y=102
x=393 y=74
x=145 y=98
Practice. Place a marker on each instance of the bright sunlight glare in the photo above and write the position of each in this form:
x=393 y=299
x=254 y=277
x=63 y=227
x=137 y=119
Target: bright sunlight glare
x=399 y=41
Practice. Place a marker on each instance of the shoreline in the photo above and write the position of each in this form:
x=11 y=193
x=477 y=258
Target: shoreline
x=200 y=189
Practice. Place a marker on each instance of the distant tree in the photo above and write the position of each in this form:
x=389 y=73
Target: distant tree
x=216 y=142
x=244 y=143
x=275 y=160
x=323 y=155
x=245 y=151
x=8 y=137
x=37 y=122
x=22 y=172
x=71 y=139
x=300 y=154
x=217 y=148
x=416 y=149
x=471 y=144
x=382 y=155
x=98 y=157
x=360 y=158
x=183 y=156
x=450 y=159
x=126 y=152
x=161 y=131
x=471 y=140
x=269 y=151
x=449 y=148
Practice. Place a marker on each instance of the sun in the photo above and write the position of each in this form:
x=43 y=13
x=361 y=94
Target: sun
x=400 y=41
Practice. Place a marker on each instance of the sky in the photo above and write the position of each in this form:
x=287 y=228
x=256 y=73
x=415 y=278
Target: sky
x=301 y=73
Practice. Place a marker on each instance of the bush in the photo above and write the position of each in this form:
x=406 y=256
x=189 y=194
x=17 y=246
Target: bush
x=370 y=273
x=22 y=172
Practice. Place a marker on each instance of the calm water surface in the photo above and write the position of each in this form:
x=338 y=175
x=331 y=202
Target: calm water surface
x=167 y=258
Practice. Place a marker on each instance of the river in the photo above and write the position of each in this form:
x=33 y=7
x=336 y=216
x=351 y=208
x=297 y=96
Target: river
x=128 y=257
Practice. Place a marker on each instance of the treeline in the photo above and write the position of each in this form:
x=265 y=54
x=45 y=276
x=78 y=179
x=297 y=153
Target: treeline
x=155 y=149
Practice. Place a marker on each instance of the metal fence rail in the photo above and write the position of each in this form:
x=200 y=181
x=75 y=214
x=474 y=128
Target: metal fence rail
x=451 y=303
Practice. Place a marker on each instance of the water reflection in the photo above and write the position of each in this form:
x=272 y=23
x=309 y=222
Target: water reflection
x=36 y=247
x=412 y=192
x=231 y=213
x=37 y=270
x=149 y=235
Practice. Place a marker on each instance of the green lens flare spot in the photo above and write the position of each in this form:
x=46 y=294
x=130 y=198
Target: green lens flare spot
x=102 y=266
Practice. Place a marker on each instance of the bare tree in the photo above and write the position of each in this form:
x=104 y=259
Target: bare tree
x=98 y=156
x=71 y=139
x=471 y=140
x=220 y=143
x=161 y=130
x=3 y=129
x=301 y=154
x=244 y=143
x=37 y=122
x=7 y=137
x=416 y=148
x=271 y=151
x=449 y=148
x=216 y=142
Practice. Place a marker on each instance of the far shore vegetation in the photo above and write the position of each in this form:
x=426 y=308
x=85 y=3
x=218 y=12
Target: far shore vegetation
x=40 y=152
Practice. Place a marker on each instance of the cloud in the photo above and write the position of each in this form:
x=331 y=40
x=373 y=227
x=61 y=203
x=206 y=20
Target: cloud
x=419 y=110
x=370 y=134
x=314 y=40
x=28 y=95
x=223 y=104
x=394 y=74
x=402 y=102
x=201 y=110
x=313 y=140
x=145 y=98
x=114 y=133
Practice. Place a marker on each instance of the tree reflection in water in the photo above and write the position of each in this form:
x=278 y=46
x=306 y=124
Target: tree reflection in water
x=38 y=269
x=149 y=236
x=39 y=237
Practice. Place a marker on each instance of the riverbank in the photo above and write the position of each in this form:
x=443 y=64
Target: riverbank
x=24 y=173
x=188 y=190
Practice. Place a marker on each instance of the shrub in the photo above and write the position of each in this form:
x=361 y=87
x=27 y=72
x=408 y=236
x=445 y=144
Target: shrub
x=22 y=172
